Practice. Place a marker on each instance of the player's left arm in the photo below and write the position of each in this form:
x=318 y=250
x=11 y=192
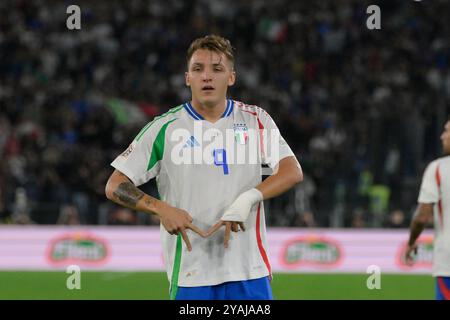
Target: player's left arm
x=276 y=153
x=422 y=216
x=288 y=174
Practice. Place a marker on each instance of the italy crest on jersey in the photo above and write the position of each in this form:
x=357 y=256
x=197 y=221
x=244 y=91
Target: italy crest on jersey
x=240 y=133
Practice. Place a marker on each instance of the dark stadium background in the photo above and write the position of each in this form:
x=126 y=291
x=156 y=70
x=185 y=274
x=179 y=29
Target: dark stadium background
x=362 y=109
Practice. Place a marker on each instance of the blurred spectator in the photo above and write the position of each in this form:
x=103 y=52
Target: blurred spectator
x=359 y=107
x=358 y=219
x=3 y=212
x=122 y=216
x=306 y=219
x=396 y=219
x=304 y=194
x=21 y=213
x=378 y=203
x=69 y=216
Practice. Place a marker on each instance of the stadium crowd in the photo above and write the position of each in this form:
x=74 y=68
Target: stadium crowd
x=361 y=108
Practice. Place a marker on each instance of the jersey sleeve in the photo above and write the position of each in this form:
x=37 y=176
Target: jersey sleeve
x=429 y=191
x=141 y=161
x=273 y=146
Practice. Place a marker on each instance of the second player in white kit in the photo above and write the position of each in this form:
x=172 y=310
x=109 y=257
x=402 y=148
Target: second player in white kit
x=434 y=201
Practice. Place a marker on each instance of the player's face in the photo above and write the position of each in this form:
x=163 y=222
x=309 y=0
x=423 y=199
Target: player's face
x=209 y=75
x=445 y=138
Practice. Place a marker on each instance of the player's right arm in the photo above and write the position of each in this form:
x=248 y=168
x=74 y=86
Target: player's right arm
x=136 y=166
x=422 y=216
x=428 y=196
x=122 y=191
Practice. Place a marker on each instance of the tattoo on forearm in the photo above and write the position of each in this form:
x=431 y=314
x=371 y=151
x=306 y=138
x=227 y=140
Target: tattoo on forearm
x=149 y=201
x=128 y=193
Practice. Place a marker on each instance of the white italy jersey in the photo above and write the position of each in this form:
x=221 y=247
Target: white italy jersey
x=202 y=168
x=435 y=189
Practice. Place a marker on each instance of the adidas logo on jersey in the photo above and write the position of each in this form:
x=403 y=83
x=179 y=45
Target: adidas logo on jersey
x=192 y=142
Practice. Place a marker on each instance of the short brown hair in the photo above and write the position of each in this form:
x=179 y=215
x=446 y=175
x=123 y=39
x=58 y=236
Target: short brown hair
x=214 y=43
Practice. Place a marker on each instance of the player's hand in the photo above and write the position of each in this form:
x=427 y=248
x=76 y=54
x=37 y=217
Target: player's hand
x=409 y=255
x=229 y=226
x=240 y=209
x=176 y=221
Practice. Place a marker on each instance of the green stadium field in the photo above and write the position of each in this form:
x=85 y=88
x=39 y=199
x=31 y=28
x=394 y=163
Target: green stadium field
x=154 y=285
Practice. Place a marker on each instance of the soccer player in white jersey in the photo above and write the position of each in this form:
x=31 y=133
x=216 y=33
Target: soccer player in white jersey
x=207 y=156
x=434 y=199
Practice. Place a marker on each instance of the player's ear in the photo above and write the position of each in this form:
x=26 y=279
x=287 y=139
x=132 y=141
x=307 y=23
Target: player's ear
x=186 y=78
x=232 y=78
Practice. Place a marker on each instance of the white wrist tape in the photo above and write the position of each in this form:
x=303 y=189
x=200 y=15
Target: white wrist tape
x=241 y=207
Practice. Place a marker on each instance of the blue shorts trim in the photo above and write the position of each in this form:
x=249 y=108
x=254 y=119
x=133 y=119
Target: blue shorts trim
x=255 y=289
x=442 y=288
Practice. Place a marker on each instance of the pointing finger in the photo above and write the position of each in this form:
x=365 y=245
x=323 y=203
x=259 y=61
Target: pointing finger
x=196 y=230
x=214 y=228
x=186 y=239
x=227 y=233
